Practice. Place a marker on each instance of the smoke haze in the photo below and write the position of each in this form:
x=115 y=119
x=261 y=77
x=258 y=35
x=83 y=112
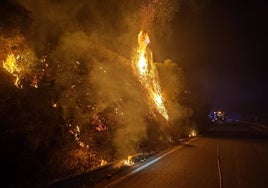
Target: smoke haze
x=89 y=46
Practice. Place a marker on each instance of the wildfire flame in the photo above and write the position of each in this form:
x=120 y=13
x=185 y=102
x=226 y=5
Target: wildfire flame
x=11 y=66
x=20 y=66
x=192 y=133
x=128 y=161
x=148 y=74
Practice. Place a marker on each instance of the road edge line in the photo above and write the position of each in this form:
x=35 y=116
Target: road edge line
x=219 y=164
x=147 y=164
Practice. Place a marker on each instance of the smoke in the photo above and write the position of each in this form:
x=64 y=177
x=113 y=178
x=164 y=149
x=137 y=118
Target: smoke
x=115 y=87
x=89 y=45
x=173 y=84
x=111 y=23
x=128 y=138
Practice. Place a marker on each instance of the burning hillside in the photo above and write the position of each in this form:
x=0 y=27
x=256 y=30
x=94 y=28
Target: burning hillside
x=80 y=96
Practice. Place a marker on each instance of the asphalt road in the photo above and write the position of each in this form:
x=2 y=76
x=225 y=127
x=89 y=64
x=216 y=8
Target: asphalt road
x=228 y=156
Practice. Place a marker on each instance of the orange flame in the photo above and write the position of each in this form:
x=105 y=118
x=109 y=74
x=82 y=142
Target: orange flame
x=11 y=66
x=128 y=161
x=21 y=66
x=148 y=74
x=192 y=133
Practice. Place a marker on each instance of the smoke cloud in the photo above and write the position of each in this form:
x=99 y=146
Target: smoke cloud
x=88 y=47
x=172 y=83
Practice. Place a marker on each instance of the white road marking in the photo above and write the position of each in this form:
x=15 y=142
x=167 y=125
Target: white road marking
x=146 y=165
x=219 y=164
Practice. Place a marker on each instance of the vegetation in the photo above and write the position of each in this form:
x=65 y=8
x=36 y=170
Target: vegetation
x=78 y=103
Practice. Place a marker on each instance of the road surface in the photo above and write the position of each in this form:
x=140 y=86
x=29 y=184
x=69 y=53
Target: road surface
x=228 y=156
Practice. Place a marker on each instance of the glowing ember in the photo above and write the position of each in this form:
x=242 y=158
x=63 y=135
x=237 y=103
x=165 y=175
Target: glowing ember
x=76 y=132
x=103 y=162
x=148 y=74
x=34 y=82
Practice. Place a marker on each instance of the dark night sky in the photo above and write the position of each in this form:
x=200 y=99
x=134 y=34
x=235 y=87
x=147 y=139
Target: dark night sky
x=221 y=45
